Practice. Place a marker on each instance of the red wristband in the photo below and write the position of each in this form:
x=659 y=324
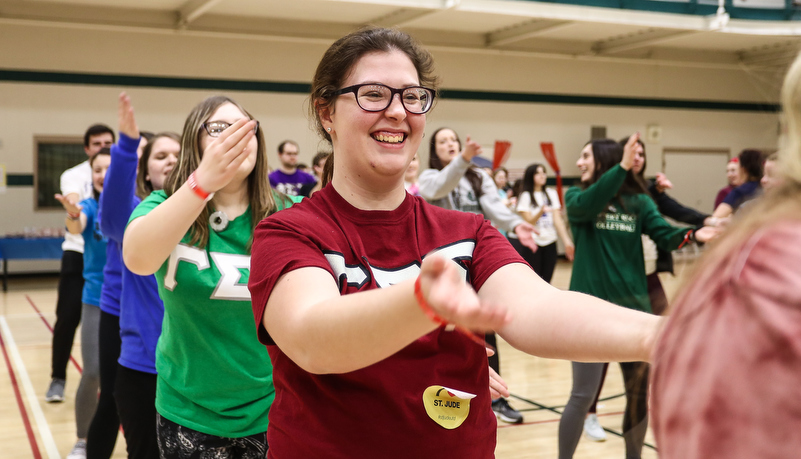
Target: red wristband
x=203 y=194
x=72 y=216
x=687 y=238
x=418 y=294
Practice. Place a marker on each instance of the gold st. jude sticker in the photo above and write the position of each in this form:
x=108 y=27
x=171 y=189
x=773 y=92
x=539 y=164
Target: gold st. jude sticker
x=447 y=407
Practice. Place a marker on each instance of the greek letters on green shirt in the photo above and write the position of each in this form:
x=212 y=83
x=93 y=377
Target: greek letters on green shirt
x=607 y=233
x=213 y=374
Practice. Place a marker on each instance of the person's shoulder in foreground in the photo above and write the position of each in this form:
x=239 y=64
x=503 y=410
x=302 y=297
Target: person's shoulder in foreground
x=729 y=362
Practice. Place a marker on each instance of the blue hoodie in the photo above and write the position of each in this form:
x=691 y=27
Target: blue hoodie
x=140 y=308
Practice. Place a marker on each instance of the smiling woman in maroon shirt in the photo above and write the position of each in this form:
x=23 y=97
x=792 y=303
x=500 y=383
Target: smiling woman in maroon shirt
x=357 y=290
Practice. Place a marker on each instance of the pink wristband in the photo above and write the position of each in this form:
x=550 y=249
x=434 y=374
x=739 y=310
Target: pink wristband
x=418 y=294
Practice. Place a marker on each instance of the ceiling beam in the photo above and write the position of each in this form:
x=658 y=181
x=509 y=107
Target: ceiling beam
x=523 y=31
x=641 y=39
x=192 y=10
x=401 y=17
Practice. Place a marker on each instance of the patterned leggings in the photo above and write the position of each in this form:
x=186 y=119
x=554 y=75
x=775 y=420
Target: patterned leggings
x=179 y=442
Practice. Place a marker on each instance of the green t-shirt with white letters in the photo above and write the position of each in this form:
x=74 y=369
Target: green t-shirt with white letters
x=213 y=374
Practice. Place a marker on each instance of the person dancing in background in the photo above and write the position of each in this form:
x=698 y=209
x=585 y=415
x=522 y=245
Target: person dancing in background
x=76 y=185
x=540 y=206
x=733 y=180
x=750 y=167
x=656 y=259
x=608 y=213
x=141 y=309
x=214 y=385
x=82 y=219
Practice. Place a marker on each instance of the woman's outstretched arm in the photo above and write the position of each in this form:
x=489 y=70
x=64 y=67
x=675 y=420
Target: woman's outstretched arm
x=558 y=324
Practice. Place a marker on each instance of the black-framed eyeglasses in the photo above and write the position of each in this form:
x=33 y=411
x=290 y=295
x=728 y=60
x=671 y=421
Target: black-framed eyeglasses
x=215 y=128
x=375 y=97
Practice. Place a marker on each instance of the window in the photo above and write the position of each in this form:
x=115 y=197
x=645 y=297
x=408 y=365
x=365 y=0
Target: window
x=54 y=155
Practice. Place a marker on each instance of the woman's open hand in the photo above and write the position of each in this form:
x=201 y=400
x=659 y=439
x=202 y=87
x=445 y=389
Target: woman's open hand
x=125 y=114
x=471 y=149
x=629 y=151
x=223 y=156
x=453 y=299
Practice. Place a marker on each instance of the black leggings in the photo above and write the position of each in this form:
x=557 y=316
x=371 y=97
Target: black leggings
x=135 y=394
x=105 y=425
x=543 y=261
x=68 y=311
x=179 y=442
x=586 y=379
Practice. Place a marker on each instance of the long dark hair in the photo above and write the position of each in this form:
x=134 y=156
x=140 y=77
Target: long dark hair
x=752 y=162
x=340 y=58
x=434 y=162
x=623 y=143
x=607 y=154
x=528 y=181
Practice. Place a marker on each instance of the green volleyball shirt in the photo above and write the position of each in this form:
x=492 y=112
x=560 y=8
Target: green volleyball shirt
x=607 y=233
x=213 y=374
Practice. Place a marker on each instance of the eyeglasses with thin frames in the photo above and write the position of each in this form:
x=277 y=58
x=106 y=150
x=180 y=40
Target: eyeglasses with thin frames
x=215 y=128
x=376 y=97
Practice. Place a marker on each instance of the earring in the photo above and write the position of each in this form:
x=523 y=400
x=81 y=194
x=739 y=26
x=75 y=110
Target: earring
x=328 y=129
x=424 y=135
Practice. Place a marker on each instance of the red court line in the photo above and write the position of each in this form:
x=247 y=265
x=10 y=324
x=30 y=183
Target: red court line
x=47 y=324
x=20 y=404
x=548 y=421
x=41 y=316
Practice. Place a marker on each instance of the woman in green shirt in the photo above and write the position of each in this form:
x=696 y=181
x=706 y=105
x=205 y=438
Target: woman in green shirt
x=215 y=387
x=608 y=214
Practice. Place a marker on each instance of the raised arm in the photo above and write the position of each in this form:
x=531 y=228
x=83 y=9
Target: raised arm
x=150 y=239
x=118 y=198
x=552 y=323
x=585 y=205
x=436 y=184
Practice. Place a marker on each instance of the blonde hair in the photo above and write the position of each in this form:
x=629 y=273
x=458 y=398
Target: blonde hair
x=790 y=154
x=260 y=195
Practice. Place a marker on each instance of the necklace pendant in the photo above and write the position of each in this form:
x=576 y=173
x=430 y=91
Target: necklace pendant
x=218 y=221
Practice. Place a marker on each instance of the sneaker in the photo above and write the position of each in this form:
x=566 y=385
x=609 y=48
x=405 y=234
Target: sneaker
x=55 y=393
x=592 y=429
x=506 y=413
x=78 y=451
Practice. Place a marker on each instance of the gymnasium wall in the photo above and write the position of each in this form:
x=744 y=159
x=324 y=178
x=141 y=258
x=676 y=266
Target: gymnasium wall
x=570 y=96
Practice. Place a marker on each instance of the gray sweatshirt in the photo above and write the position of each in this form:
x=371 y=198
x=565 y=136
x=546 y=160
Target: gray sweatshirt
x=450 y=189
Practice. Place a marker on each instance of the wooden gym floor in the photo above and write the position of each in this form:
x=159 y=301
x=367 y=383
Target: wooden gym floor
x=32 y=428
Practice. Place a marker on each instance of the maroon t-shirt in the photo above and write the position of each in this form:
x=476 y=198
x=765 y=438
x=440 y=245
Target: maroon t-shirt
x=376 y=411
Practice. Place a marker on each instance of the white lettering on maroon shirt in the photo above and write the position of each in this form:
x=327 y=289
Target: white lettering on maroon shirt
x=358 y=275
